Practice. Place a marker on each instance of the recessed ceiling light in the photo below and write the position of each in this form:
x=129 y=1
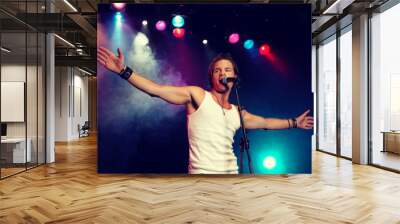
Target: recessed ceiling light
x=5 y=49
x=64 y=40
x=70 y=5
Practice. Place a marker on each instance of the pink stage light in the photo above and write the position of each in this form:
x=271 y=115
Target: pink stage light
x=234 y=38
x=118 y=6
x=178 y=33
x=160 y=25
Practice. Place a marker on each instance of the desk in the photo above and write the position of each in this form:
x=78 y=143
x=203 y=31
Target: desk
x=391 y=141
x=18 y=150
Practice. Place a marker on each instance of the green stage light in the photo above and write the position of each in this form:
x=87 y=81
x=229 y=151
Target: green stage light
x=118 y=19
x=269 y=162
x=178 y=21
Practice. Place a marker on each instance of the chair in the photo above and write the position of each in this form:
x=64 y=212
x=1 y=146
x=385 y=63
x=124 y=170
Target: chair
x=84 y=130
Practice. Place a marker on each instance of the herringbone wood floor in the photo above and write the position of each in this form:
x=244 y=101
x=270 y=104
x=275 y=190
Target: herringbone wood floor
x=70 y=191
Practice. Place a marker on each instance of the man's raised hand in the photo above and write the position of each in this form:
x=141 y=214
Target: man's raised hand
x=108 y=59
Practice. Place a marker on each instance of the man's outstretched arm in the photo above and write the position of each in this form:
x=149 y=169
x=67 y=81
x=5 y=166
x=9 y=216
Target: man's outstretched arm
x=252 y=121
x=171 y=94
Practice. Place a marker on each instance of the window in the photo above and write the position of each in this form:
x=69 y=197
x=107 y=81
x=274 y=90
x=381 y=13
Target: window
x=346 y=93
x=385 y=88
x=23 y=87
x=327 y=95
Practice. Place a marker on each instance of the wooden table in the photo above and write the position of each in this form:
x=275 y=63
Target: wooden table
x=391 y=141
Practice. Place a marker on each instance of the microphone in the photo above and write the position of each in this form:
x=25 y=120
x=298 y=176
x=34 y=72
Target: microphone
x=225 y=80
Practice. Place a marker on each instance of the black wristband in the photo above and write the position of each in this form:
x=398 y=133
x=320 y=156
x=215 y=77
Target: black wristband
x=126 y=73
x=294 y=123
x=289 y=124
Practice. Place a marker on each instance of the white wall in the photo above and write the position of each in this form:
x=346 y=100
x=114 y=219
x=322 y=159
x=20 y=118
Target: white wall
x=13 y=73
x=61 y=103
x=10 y=73
x=33 y=126
x=71 y=93
x=80 y=110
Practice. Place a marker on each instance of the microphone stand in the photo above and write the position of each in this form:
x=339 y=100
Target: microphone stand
x=244 y=141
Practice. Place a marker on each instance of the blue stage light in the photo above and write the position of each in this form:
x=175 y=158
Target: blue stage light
x=178 y=21
x=248 y=44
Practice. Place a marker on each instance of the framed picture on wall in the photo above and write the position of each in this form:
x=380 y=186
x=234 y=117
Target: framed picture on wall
x=169 y=80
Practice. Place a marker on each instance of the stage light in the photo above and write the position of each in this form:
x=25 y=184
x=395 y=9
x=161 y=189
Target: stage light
x=118 y=6
x=178 y=32
x=144 y=22
x=264 y=49
x=178 y=21
x=248 y=44
x=160 y=25
x=234 y=38
x=141 y=39
x=269 y=162
x=205 y=41
x=118 y=18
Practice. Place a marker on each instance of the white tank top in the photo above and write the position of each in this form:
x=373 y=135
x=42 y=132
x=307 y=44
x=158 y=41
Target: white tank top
x=211 y=135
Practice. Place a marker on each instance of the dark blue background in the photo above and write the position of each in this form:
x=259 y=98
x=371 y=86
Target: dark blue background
x=154 y=143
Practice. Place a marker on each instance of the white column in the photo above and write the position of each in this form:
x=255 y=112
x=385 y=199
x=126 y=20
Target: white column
x=50 y=93
x=360 y=90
